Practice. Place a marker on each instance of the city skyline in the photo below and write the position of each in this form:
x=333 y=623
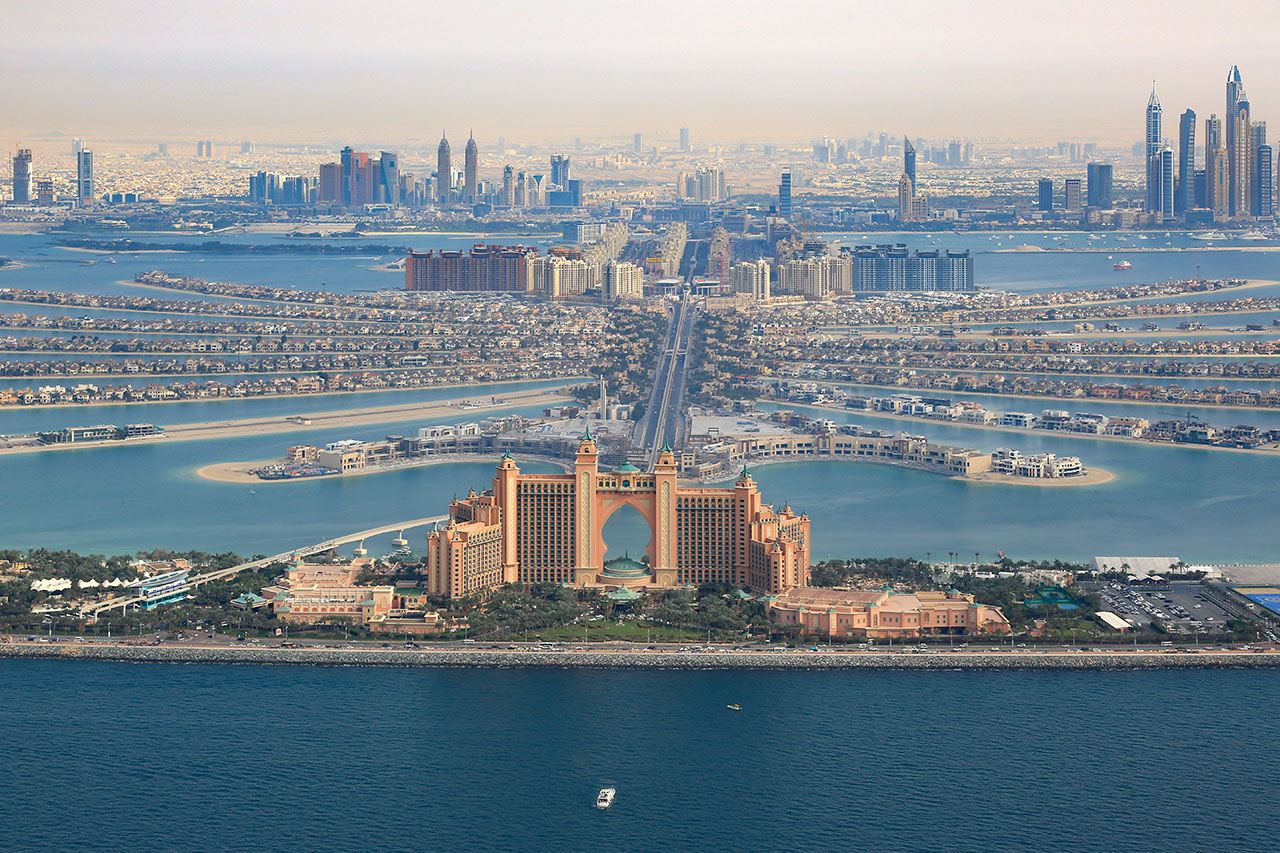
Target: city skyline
x=1000 y=70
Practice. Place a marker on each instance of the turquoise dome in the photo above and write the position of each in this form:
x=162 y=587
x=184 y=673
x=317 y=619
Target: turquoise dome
x=625 y=568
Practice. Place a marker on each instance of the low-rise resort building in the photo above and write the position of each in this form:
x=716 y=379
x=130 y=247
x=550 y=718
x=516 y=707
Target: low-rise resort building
x=884 y=613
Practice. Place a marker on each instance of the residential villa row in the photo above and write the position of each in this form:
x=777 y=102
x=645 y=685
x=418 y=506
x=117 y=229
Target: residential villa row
x=1188 y=431
x=212 y=389
x=1066 y=387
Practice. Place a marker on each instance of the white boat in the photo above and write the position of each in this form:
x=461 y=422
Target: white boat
x=1209 y=235
x=605 y=798
x=1252 y=235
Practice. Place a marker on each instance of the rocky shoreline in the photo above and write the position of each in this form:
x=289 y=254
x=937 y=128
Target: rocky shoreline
x=602 y=659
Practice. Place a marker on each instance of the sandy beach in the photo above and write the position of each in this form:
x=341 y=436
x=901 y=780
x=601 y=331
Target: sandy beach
x=323 y=420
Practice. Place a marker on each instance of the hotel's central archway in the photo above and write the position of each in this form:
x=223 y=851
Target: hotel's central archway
x=626 y=527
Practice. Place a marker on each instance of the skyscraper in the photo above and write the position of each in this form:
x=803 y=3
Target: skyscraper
x=637 y=143
x=1265 y=182
x=1099 y=189
x=684 y=139
x=1217 y=169
x=329 y=188
x=1045 y=195
x=1153 y=151
x=508 y=186
x=1235 y=90
x=22 y=176
x=389 y=183
x=784 y=195
x=906 y=192
x=1241 y=168
x=84 y=178
x=1165 y=172
x=1257 y=140
x=909 y=160
x=560 y=170
x=471 y=163
x=1071 y=195
x=1186 y=161
x=444 y=171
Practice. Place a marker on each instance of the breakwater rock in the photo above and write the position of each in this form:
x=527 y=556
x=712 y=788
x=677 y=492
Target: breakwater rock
x=614 y=659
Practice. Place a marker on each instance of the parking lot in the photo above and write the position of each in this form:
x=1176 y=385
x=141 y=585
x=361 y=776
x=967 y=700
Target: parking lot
x=1182 y=609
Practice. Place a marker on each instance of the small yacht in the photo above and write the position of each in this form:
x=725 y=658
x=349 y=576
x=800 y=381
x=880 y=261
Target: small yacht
x=605 y=798
x=734 y=707
x=1123 y=265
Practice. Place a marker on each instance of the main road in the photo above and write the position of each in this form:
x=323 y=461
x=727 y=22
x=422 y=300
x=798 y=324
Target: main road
x=663 y=422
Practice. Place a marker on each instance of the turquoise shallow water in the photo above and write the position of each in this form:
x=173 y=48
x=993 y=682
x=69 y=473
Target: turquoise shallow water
x=100 y=756
x=1195 y=504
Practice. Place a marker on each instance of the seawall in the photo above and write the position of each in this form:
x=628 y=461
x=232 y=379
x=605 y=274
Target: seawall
x=601 y=659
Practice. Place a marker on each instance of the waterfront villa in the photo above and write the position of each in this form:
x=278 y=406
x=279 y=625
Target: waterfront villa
x=884 y=613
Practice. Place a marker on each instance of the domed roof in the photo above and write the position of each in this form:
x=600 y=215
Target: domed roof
x=625 y=567
x=626 y=468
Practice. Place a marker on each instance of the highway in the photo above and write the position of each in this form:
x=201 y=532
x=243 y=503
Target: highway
x=285 y=557
x=663 y=419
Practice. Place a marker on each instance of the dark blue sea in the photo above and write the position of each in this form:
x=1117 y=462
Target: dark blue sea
x=101 y=756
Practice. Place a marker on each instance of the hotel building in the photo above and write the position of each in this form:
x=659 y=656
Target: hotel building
x=534 y=528
x=483 y=268
x=883 y=613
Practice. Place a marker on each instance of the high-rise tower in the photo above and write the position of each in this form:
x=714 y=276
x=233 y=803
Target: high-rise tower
x=1153 y=151
x=1183 y=197
x=1257 y=141
x=1098 y=191
x=508 y=186
x=1217 y=171
x=389 y=178
x=909 y=160
x=1165 y=172
x=444 y=171
x=22 y=176
x=1241 y=168
x=560 y=170
x=784 y=195
x=471 y=162
x=1235 y=90
x=84 y=177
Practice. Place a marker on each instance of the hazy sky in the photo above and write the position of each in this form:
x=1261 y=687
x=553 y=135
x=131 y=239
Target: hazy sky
x=751 y=71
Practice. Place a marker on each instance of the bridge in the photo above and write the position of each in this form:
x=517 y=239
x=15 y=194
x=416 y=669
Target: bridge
x=285 y=557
